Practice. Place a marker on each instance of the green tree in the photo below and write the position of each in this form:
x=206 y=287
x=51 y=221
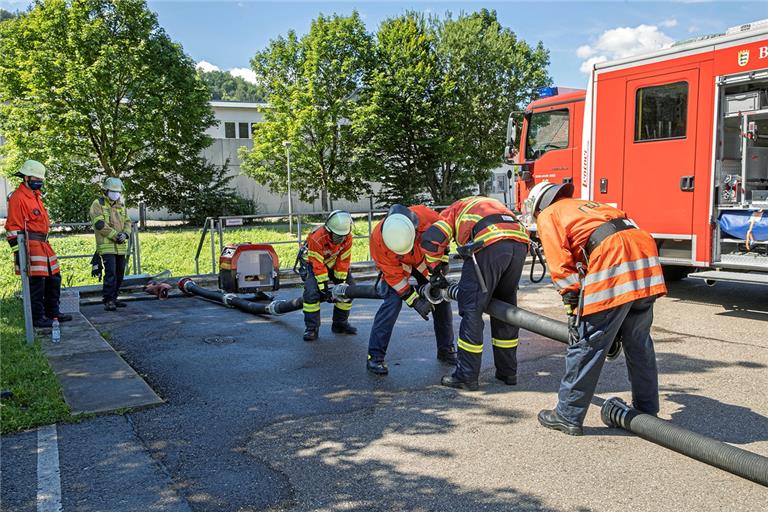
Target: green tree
x=227 y=87
x=6 y=15
x=489 y=73
x=96 y=88
x=401 y=121
x=312 y=86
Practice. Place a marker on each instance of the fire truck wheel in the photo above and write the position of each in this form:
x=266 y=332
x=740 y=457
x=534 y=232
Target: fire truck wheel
x=675 y=272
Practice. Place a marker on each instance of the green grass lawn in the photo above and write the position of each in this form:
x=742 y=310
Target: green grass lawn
x=25 y=370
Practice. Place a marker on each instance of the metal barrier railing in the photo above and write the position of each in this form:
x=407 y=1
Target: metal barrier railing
x=133 y=257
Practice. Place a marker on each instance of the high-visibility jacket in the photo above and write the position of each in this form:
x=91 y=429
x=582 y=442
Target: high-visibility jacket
x=464 y=222
x=623 y=268
x=27 y=215
x=323 y=254
x=396 y=269
x=108 y=219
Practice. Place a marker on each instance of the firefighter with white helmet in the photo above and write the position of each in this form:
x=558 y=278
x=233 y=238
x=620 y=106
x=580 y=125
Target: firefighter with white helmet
x=326 y=256
x=608 y=273
x=396 y=249
x=112 y=226
x=27 y=215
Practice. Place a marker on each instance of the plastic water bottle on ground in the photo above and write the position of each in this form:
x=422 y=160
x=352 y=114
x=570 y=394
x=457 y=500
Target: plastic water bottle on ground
x=55 y=331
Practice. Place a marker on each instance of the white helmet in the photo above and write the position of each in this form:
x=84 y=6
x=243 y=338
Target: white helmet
x=339 y=222
x=399 y=229
x=540 y=197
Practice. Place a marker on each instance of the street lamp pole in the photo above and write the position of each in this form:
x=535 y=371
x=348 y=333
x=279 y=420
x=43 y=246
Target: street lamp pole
x=287 y=145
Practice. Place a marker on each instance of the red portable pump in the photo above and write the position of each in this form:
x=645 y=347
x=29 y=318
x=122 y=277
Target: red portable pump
x=248 y=268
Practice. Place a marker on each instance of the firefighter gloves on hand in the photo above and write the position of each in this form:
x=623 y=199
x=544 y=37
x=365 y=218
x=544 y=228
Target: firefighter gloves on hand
x=327 y=293
x=571 y=302
x=422 y=307
x=121 y=238
x=437 y=279
x=573 y=330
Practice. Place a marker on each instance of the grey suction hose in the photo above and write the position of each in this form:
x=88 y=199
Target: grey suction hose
x=510 y=314
x=616 y=413
x=277 y=307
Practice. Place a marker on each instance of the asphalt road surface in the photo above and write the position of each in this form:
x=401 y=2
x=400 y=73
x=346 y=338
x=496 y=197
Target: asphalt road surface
x=266 y=421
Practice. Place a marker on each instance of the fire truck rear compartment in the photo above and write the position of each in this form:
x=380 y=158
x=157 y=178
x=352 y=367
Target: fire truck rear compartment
x=741 y=173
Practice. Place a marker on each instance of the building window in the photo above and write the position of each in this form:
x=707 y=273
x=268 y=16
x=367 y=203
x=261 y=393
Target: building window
x=546 y=131
x=661 y=112
x=243 y=130
x=229 y=130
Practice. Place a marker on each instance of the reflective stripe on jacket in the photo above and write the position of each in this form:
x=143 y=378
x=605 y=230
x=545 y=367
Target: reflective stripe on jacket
x=395 y=268
x=109 y=219
x=323 y=254
x=458 y=221
x=623 y=268
x=27 y=213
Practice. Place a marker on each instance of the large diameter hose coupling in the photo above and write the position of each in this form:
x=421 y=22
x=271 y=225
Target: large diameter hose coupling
x=183 y=283
x=616 y=413
x=432 y=294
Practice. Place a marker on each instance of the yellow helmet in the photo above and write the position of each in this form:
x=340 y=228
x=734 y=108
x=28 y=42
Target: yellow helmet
x=32 y=168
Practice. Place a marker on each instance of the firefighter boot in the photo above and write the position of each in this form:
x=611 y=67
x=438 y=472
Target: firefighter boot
x=551 y=419
x=341 y=323
x=377 y=366
x=509 y=380
x=110 y=306
x=310 y=334
x=454 y=382
x=311 y=323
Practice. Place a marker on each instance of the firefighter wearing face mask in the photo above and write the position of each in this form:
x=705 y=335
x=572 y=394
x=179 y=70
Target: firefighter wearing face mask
x=609 y=276
x=326 y=257
x=396 y=249
x=28 y=216
x=112 y=226
x=500 y=245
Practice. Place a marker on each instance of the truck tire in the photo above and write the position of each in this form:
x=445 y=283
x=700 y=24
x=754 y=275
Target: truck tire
x=676 y=272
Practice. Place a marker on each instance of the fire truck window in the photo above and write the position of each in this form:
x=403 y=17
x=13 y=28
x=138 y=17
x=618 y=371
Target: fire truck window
x=661 y=112
x=546 y=131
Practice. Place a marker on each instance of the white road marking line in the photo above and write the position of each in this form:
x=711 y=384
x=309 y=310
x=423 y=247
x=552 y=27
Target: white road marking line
x=48 y=476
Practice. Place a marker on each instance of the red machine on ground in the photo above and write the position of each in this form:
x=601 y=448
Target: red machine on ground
x=678 y=139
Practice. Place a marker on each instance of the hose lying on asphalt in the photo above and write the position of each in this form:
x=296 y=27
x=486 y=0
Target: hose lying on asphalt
x=276 y=307
x=616 y=413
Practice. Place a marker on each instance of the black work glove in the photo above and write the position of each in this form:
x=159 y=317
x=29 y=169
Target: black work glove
x=437 y=278
x=121 y=238
x=571 y=302
x=422 y=307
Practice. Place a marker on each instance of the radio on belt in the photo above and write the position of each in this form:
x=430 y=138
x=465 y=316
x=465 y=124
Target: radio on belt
x=248 y=268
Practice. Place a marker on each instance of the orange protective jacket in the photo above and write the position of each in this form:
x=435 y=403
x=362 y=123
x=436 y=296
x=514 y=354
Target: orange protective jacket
x=458 y=222
x=27 y=215
x=395 y=268
x=323 y=254
x=623 y=268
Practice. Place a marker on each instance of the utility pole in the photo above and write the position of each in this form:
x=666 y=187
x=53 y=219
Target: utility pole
x=287 y=145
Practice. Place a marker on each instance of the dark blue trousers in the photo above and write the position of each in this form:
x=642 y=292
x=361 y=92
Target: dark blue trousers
x=114 y=271
x=386 y=316
x=584 y=360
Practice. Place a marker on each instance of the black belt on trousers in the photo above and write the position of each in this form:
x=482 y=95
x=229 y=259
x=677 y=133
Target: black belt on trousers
x=496 y=218
x=605 y=230
x=37 y=237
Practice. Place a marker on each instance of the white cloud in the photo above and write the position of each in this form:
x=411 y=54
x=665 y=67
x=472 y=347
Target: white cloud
x=206 y=66
x=246 y=74
x=669 y=23
x=622 y=42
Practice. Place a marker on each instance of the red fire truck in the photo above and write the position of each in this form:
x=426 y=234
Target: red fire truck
x=678 y=139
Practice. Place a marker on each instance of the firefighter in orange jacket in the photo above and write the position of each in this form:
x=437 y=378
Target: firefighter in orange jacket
x=396 y=249
x=28 y=216
x=500 y=246
x=608 y=273
x=328 y=252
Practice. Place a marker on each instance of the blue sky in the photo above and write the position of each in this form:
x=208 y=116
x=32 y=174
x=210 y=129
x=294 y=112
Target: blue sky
x=227 y=34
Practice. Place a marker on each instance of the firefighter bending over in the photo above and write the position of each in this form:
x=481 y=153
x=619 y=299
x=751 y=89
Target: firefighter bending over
x=112 y=226
x=608 y=273
x=327 y=252
x=28 y=216
x=494 y=245
x=396 y=250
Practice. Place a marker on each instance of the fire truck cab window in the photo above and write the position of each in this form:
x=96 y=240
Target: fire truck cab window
x=661 y=112
x=546 y=131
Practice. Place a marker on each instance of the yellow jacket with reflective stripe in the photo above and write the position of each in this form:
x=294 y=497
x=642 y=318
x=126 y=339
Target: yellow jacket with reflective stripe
x=109 y=219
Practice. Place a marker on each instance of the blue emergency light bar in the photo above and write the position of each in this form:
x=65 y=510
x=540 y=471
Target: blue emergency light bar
x=546 y=92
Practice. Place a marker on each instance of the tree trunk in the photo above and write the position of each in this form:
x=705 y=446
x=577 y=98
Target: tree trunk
x=324 y=199
x=482 y=187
